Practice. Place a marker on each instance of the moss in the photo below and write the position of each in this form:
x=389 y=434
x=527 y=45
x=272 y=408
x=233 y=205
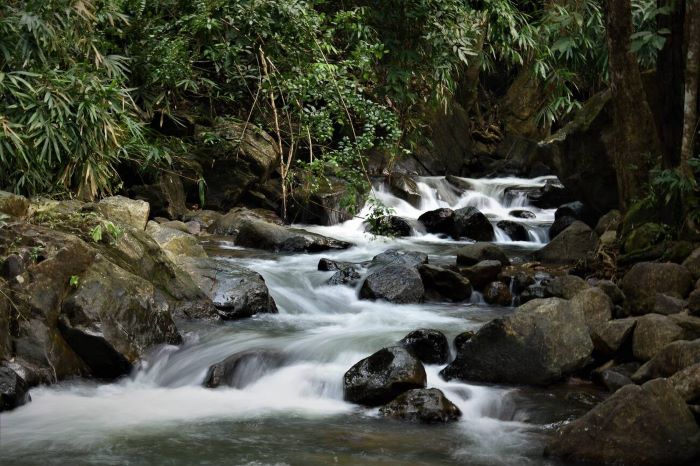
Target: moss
x=644 y=237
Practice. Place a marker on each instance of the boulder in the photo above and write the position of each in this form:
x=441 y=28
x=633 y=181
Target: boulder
x=560 y=224
x=166 y=196
x=652 y=334
x=571 y=245
x=609 y=222
x=13 y=205
x=595 y=306
x=694 y=302
x=429 y=346
x=647 y=279
x=461 y=339
x=692 y=263
x=399 y=257
x=439 y=283
x=242 y=369
x=610 y=337
x=125 y=211
x=646 y=426
x=519 y=213
x=392 y=225
x=687 y=383
x=672 y=358
x=327 y=204
x=550 y=196
x=268 y=236
x=427 y=406
x=540 y=343
x=482 y=273
x=615 y=377
x=565 y=286
x=644 y=238
x=515 y=231
x=348 y=276
x=472 y=224
x=204 y=218
x=498 y=293
x=472 y=254
x=14 y=391
x=440 y=221
x=611 y=289
x=236 y=291
x=175 y=242
x=406 y=188
x=400 y=284
x=230 y=224
x=668 y=305
x=381 y=377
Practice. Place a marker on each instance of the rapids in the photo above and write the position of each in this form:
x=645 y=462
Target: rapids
x=296 y=414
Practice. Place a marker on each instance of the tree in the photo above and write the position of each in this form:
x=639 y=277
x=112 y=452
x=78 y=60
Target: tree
x=692 y=81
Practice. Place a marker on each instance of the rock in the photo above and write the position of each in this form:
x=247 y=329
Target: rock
x=610 y=337
x=400 y=284
x=518 y=213
x=174 y=242
x=571 y=245
x=241 y=369
x=12 y=266
x=687 y=383
x=329 y=265
x=399 y=257
x=560 y=224
x=268 y=236
x=652 y=334
x=205 y=218
x=646 y=279
x=514 y=230
x=326 y=205
x=348 y=276
x=383 y=376
x=595 y=306
x=498 y=293
x=461 y=339
x=405 y=187
x=611 y=289
x=14 y=391
x=166 y=196
x=694 y=302
x=472 y=254
x=644 y=237
x=668 y=305
x=482 y=273
x=672 y=358
x=565 y=286
x=550 y=196
x=392 y=225
x=236 y=292
x=427 y=406
x=439 y=282
x=609 y=222
x=646 y=426
x=614 y=378
x=440 y=221
x=429 y=346
x=540 y=343
x=13 y=205
x=577 y=210
x=692 y=263
x=122 y=210
x=230 y=224
x=472 y=224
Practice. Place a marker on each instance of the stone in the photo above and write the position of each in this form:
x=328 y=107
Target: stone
x=560 y=224
x=12 y=266
x=326 y=204
x=242 y=369
x=644 y=237
x=205 y=218
x=14 y=391
x=515 y=231
x=694 y=302
x=166 y=196
x=472 y=254
x=230 y=224
x=646 y=426
x=399 y=257
x=570 y=246
x=652 y=334
x=540 y=343
x=482 y=273
x=611 y=289
x=565 y=286
x=687 y=383
x=122 y=210
x=609 y=222
x=13 y=205
x=472 y=224
x=392 y=225
x=498 y=293
x=175 y=242
x=444 y=283
x=519 y=213
x=348 y=276
x=427 y=406
x=645 y=280
x=616 y=377
x=381 y=377
x=610 y=337
x=668 y=305
x=672 y=358
x=440 y=221
x=268 y=236
x=400 y=284
x=429 y=346
x=461 y=339
x=405 y=187
x=692 y=263
x=595 y=306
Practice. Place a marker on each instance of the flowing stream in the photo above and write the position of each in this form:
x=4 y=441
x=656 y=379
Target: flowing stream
x=295 y=415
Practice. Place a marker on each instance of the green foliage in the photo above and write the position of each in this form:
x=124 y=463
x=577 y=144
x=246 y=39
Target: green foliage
x=74 y=281
x=377 y=219
x=106 y=229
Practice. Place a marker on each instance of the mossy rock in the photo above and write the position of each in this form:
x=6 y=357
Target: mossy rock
x=637 y=215
x=644 y=237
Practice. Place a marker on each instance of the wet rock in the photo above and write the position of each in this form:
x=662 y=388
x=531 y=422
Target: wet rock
x=692 y=263
x=460 y=183
x=571 y=245
x=514 y=230
x=461 y=339
x=482 y=273
x=440 y=221
x=348 y=276
x=534 y=291
x=616 y=377
x=560 y=224
x=329 y=265
x=550 y=196
x=498 y=293
x=609 y=222
x=611 y=336
x=429 y=346
x=383 y=376
x=13 y=205
x=565 y=286
x=687 y=383
x=230 y=224
x=406 y=188
x=400 y=284
x=392 y=225
x=268 y=236
x=175 y=242
x=540 y=343
x=427 y=406
x=472 y=224
x=241 y=369
x=647 y=279
x=122 y=210
x=646 y=426
x=472 y=254
x=672 y=358
x=398 y=257
x=166 y=196
x=595 y=306
x=522 y=214
x=236 y=292
x=439 y=283
x=323 y=206
x=652 y=334
x=14 y=391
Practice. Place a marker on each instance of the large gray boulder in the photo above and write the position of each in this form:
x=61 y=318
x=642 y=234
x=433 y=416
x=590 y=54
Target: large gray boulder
x=540 y=343
x=646 y=280
x=400 y=284
x=672 y=358
x=14 y=391
x=264 y=235
x=646 y=426
x=687 y=383
x=482 y=273
x=430 y=346
x=470 y=223
x=472 y=254
x=565 y=286
x=595 y=306
x=399 y=257
x=122 y=210
x=571 y=245
x=427 y=406
x=443 y=283
x=610 y=337
x=652 y=334
x=383 y=376
x=166 y=196
x=692 y=263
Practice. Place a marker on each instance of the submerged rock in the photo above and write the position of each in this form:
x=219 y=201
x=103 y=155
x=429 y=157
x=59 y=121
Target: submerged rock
x=515 y=231
x=429 y=346
x=439 y=221
x=439 y=282
x=383 y=376
x=14 y=391
x=242 y=369
x=427 y=406
x=406 y=188
x=400 y=284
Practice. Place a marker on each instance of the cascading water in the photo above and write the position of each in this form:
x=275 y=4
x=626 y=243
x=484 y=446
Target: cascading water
x=295 y=414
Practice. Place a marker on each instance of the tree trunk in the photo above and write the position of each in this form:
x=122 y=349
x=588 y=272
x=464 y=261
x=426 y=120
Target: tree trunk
x=636 y=146
x=692 y=72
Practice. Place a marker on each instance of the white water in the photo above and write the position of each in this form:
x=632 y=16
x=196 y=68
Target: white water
x=323 y=330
